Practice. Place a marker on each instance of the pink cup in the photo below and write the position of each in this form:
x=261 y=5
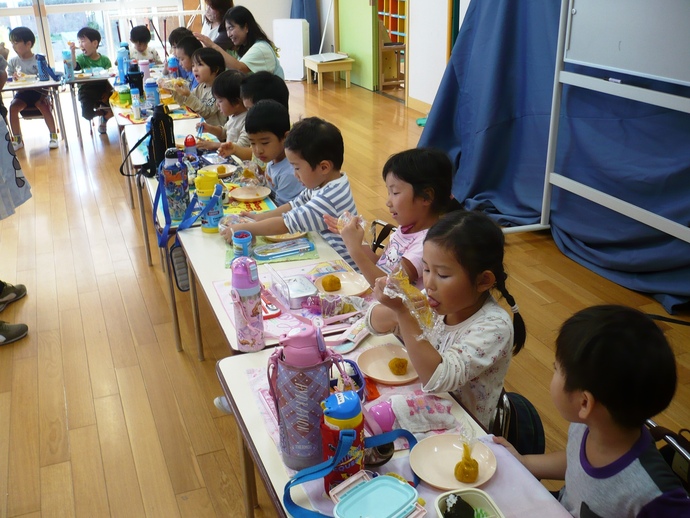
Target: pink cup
x=383 y=415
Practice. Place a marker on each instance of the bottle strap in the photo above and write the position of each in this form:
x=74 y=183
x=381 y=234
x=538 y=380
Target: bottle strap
x=346 y=438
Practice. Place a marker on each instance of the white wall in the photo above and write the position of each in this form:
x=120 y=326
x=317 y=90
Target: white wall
x=427 y=48
x=266 y=12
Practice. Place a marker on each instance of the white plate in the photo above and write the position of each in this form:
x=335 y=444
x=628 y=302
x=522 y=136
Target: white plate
x=374 y=364
x=351 y=284
x=250 y=193
x=434 y=460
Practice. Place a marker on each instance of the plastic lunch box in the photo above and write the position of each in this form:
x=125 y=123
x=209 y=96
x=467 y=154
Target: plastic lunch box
x=357 y=378
x=382 y=497
x=475 y=497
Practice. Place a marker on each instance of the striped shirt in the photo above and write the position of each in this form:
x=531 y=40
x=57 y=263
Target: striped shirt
x=308 y=209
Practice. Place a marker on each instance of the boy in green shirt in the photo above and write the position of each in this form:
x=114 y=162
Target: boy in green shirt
x=93 y=96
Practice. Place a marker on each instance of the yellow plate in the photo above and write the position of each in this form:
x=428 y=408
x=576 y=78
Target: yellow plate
x=374 y=364
x=434 y=460
x=250 y=193
x=284 y=237
x=351 y=284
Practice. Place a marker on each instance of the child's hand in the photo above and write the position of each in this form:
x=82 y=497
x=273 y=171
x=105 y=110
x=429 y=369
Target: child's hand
x=226 y=149
x=352 y=233
x=182 y=90
x=206 y=144
x=396 y=304
x=503 y=442
x=203 y=125
x=72 y=46
x=331 y=223
x=248 y=214
x=227 y=234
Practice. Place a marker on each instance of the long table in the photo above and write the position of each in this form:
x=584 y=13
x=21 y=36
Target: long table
x=516 y=492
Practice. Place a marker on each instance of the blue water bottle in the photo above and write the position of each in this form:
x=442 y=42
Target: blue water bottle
x=67 y=61
x=122 y=62
x=173 y=67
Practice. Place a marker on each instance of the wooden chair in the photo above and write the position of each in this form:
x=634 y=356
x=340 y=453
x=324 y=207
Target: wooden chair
x=392 y=62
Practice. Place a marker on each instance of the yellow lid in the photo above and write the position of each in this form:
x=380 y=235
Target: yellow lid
x=344 y=424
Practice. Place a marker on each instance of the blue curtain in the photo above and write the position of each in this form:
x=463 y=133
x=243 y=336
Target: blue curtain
x=307 y=10
x=491 y=115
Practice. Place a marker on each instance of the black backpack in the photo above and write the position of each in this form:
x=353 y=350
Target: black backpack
x=518 y=421
x=162 y=138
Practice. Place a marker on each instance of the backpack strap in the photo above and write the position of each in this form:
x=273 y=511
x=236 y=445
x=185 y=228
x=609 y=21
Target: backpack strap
x=347 y=437
x=135 y=146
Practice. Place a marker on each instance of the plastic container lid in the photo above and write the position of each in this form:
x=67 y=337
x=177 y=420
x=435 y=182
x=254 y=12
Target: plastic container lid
x=134 y=91
x=383 y=497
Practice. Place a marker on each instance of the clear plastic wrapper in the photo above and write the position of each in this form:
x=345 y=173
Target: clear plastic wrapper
x=346 y=217
x=398 y=286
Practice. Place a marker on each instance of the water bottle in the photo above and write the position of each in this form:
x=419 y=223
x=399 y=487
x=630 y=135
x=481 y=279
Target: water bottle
x=135 y=78
x=173 y=66
x=246 y=298
x=190 y=145
x=302 y=346
x=342 y=411
x=153 y=97
x=136 y=103
x=144 y=66
x=176 y=184
x=67 y=60
x=42 y=66
x=122 y=62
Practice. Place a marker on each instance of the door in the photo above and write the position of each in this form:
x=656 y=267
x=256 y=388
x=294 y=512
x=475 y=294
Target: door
x=359 y=33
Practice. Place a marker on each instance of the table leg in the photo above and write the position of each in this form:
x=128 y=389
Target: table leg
x=347 y=79
x=250 y=498
x=195 y=314
x=173 y=303
x=76 y=113
x=320 y=79
x=139 y=181
x=310 y=79
x=58 y=109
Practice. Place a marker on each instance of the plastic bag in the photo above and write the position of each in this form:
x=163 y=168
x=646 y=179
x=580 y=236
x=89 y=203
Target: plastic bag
x=398 y=286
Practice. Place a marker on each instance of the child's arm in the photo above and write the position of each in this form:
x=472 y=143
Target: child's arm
x=423 y=355
x=267 y=227
x=213 y=130
x=230 y=148
x=551 y=466
x=363 y=256
x=73 y=50
x=184 y=96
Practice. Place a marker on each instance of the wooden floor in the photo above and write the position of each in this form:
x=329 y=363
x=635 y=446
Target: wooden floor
x=100 y=416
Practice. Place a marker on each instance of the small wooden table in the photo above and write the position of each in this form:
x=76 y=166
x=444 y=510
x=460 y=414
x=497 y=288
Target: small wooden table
x=342 y=65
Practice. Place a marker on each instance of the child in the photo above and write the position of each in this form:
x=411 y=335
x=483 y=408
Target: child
x=264 y=85
x=93 y=96
x=140 y=36
x=315 y=149
x=418 y=183
x=24 y=62
x=4 y=52
x=614 y=369
x=470 y=349
x=174 y=39
x=226 y=90
x=206 y=65
x=267 y=125
x=184 y=51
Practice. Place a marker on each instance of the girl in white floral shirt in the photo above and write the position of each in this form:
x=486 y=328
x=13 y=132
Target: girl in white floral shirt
x=473 y=338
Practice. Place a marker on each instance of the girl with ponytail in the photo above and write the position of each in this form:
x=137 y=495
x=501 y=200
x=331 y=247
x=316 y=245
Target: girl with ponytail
x=473 y=338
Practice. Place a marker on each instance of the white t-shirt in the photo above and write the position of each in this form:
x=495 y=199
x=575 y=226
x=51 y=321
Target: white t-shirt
x=234 y=131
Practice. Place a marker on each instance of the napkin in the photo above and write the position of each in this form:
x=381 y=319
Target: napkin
x=421 y=413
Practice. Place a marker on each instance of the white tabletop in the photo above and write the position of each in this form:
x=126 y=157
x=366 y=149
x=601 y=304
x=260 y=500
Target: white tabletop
x=30 y=85
x=206 y=255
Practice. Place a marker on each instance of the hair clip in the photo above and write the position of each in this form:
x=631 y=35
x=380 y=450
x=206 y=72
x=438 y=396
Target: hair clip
x=515 y=308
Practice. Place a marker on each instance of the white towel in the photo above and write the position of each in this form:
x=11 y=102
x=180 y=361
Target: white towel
x=421 y=413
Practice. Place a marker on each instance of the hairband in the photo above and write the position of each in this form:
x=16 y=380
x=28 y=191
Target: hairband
x=515 y=308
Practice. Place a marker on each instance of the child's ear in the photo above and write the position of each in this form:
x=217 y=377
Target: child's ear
x=485 y=281
x=587 y=404
x=325 y=166
x=285 y=136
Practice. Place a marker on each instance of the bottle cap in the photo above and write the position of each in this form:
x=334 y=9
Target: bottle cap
x=343 y=408
x=134 y=91
x=189 y=141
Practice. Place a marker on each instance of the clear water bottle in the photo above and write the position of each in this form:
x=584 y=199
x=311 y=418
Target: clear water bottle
x=136 y=103
x=122 y=62
x=67 y=61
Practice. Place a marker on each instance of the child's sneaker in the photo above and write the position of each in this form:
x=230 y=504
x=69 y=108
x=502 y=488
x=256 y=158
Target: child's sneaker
x=11 y=294
x=103 y=126
x=12 y=332
x=17 y=143
x=222 y=404
x=53 y=141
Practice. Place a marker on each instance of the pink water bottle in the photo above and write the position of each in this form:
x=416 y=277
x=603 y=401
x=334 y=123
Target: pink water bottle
x=246 y=298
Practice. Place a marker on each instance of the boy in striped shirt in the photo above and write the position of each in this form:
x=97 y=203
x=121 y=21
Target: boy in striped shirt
x=315 y=150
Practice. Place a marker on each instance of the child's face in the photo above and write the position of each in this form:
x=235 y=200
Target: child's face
x=450 y=290
x=266 y=146
x=22 y=48
x=203 y=73
x=140 y=46
x=401 y=202
x=227 y=108
x=88 y=47
x=184 y=60
x=310 y=177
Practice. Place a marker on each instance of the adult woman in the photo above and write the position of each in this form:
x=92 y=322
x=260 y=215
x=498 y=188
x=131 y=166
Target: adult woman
x=256 y=52
x=213 y=24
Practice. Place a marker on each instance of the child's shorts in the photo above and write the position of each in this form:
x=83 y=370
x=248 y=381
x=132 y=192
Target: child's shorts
x=30 y=97
x=91 y=96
